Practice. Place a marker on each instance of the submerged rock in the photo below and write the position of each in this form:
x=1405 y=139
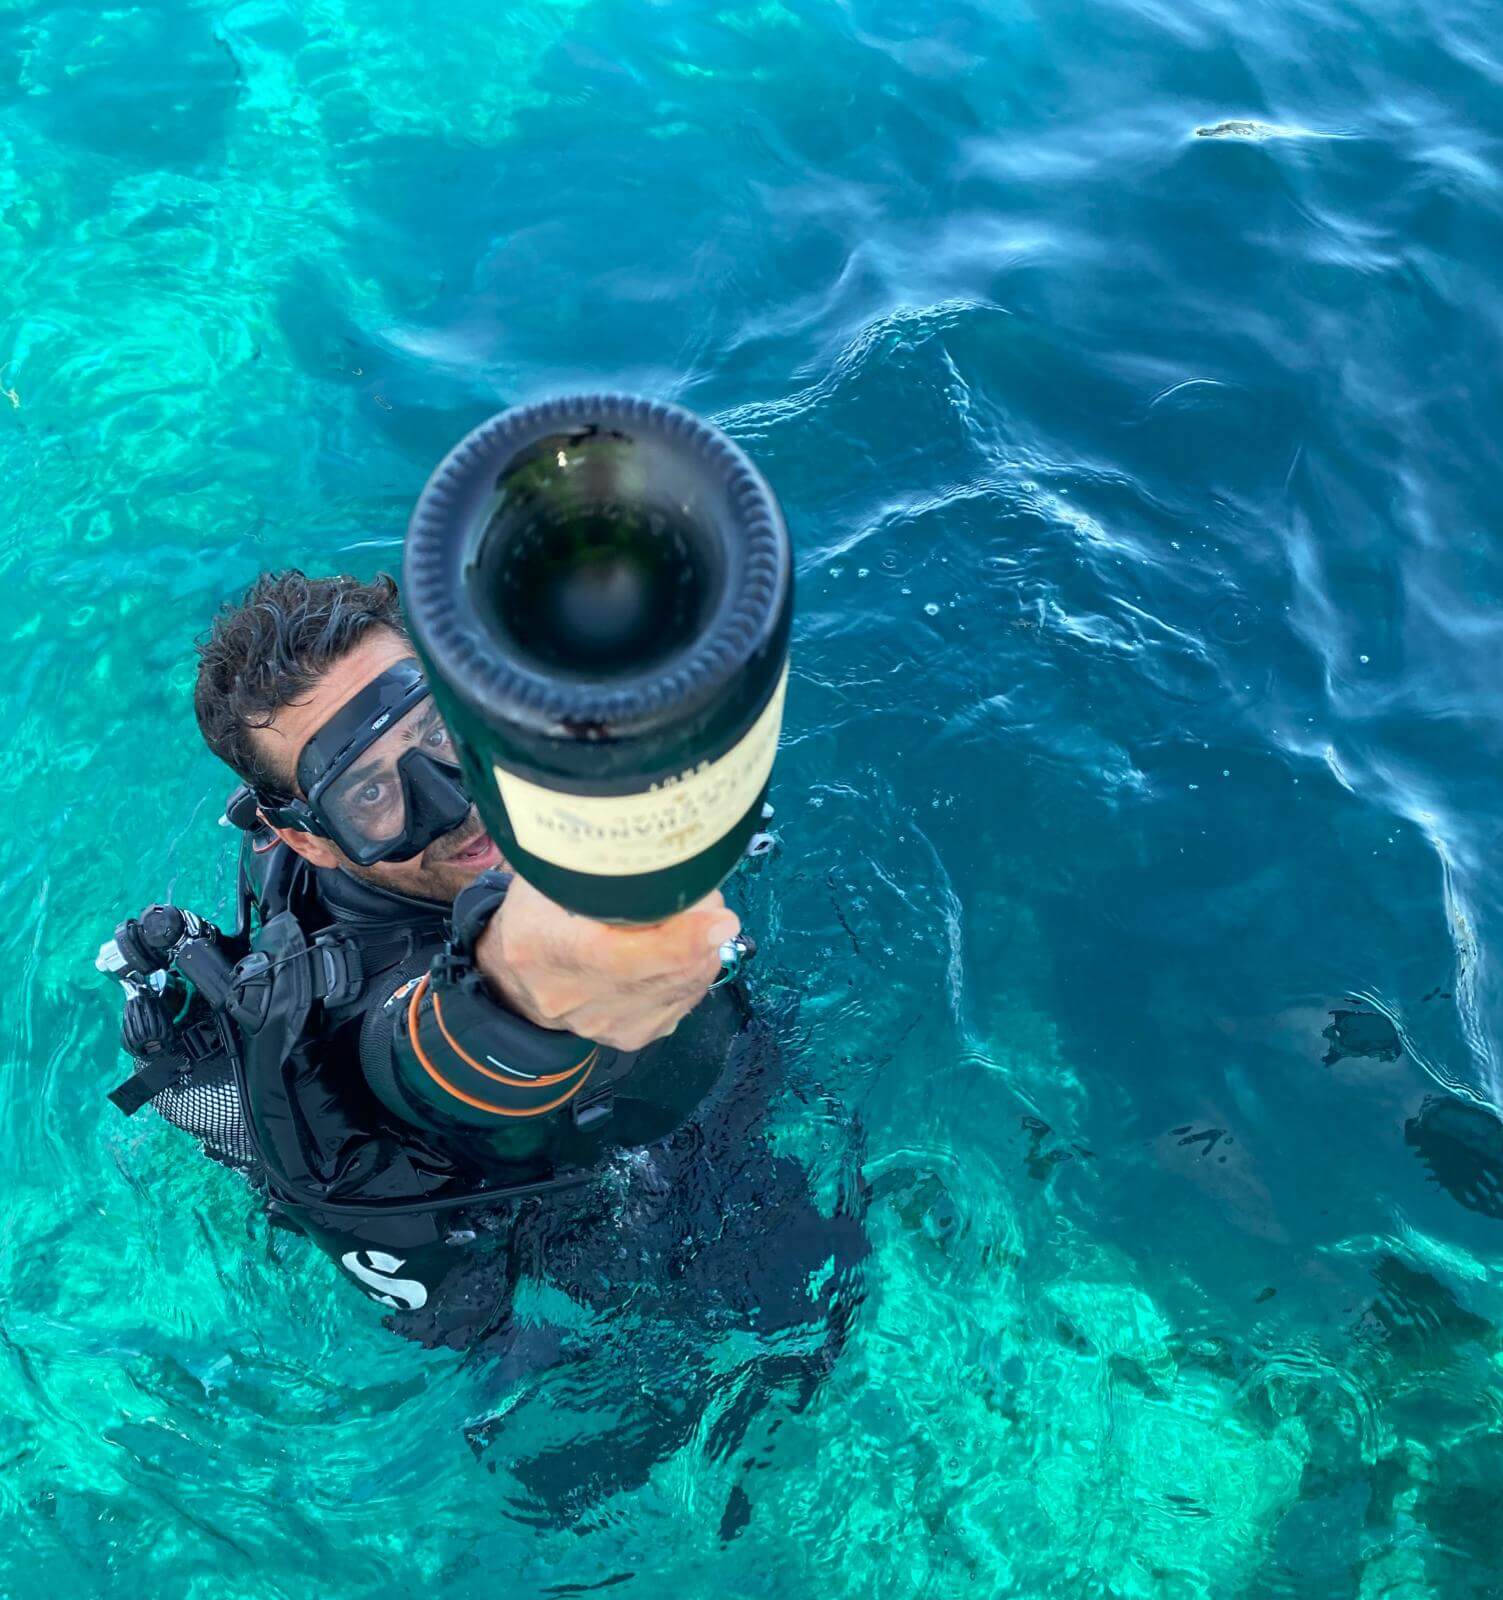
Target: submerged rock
x=1461 y=1144
x=1361 y=1033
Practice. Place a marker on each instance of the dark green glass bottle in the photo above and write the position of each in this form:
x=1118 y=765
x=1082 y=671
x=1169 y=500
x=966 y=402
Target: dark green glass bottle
x=601 y=589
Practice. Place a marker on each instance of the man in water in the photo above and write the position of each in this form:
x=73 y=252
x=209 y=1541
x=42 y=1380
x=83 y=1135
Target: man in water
x=583 y=1108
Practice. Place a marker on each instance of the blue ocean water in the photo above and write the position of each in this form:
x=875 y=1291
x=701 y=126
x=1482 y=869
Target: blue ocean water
x=1130 y=374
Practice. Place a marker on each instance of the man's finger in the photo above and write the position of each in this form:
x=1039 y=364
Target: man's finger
x=707 y=930
x=679 y=946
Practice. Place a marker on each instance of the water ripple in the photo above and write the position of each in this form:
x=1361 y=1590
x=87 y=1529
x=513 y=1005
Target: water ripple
x=1130 y=377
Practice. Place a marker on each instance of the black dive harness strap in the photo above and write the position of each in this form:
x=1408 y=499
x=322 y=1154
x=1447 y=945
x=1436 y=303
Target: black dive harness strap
x=167 y=1054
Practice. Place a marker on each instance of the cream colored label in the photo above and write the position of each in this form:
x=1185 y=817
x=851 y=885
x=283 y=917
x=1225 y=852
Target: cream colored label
x=616 y=836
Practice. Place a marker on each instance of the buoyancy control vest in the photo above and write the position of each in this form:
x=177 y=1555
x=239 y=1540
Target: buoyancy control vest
x=304 y=1071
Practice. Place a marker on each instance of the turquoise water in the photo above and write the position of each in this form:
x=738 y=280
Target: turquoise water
x=1130 y=373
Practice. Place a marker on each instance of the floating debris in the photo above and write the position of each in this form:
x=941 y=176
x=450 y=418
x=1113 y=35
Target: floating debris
x=1254 y=130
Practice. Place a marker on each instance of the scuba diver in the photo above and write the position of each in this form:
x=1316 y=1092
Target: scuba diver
x=441 y=1078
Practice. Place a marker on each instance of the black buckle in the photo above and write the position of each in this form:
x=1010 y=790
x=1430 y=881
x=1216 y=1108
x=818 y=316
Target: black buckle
x=242 y=809
x=250 y=997
x=338 y=973
x=590 y=1111
x=200 y=1042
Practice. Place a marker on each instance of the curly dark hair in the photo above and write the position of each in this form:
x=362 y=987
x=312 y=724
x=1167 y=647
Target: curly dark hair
x=269 y=648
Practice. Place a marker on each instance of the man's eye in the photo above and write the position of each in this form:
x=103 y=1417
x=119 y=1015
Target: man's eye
x=438 y=738
x=370 y=794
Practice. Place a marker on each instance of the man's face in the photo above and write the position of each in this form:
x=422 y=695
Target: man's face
x=449 y=863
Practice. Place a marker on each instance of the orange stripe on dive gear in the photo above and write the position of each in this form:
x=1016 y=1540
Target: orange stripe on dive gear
x=459 y=1094
x=485 y=1072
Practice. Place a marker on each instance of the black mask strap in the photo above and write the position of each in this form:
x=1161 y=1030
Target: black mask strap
x=292 y=814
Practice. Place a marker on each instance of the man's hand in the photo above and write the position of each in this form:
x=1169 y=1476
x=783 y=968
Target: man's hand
x=622 y=987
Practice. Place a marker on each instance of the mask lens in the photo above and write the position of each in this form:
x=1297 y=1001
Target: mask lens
x=365 y=807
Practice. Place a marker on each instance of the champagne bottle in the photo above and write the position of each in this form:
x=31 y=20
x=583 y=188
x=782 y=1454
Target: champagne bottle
x=601 y=590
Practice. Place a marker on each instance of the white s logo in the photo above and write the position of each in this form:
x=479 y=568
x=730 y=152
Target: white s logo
x=371 y=1267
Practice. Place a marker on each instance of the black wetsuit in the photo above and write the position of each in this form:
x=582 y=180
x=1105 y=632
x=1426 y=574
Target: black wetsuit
x=687 y=1218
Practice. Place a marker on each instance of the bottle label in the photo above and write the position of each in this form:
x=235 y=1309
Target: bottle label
x=618 y=836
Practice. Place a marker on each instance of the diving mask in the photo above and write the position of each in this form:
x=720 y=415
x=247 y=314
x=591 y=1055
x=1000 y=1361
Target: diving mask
x=381 y=777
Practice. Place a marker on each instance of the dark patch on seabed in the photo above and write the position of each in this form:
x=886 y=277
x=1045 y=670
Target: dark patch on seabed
x=1361 y=1033
x=1461 y=1145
